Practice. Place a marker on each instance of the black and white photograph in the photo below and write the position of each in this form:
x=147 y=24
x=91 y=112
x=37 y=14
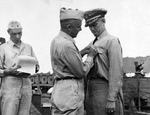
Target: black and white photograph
x=74 y=57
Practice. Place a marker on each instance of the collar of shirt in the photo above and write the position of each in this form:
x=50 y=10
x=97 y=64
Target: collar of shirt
x=12 y=44
x=103 y=34
x=66 y=36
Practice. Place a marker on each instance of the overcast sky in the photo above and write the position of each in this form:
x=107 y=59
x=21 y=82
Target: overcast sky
x=129 y=20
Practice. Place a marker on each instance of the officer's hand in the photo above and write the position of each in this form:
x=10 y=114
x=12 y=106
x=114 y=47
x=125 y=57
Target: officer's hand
x=85 y=51
x=110 y=107
x=12 y=70
x=92 y=51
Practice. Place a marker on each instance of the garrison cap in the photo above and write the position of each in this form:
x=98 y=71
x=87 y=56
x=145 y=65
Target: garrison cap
x=70 y=14
x=92 y=16
x=14 y=25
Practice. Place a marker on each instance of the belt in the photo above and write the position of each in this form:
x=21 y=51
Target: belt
x=24 y=75
x=68 y=78
x=97 y=78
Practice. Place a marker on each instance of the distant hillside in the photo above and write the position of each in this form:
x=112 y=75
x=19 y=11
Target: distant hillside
x=129 y=66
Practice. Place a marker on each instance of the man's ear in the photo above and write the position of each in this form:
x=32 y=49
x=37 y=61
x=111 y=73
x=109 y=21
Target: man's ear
x=69 y=26
x=8 y=31
x=103 y=20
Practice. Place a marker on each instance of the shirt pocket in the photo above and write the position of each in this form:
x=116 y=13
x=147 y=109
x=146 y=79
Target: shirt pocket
x=26 y=51
x=102 y=53
x=11 y=54
x=101 y=50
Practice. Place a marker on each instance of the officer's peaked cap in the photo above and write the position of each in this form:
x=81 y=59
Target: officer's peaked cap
x=92 y=15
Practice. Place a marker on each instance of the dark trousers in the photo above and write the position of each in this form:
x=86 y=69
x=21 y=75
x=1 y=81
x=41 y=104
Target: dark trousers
x=96 y=98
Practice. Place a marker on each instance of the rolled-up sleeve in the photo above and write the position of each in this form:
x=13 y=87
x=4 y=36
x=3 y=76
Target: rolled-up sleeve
x=33 y=55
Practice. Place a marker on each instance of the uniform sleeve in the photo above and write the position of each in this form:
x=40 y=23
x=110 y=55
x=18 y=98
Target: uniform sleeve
x=115 y=69
x=33 y=55
x=73 y=61
x=1 y=61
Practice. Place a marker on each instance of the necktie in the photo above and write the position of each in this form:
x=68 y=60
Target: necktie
x=95 y=40
x=93 y=72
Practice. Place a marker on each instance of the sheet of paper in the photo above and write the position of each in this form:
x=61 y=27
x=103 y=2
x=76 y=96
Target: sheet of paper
x=27 y=63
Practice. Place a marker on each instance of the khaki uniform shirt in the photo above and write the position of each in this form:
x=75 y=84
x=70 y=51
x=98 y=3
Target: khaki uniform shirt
x=9 y=53
x=66 y=59
x=109 y=63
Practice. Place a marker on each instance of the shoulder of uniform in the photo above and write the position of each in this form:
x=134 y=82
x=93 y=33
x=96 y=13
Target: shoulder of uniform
x=112 y=37
x=4 y=45
x=69 y=44
x=27 y=45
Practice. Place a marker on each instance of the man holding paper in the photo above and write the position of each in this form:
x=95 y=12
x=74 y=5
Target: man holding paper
x=16 y=85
